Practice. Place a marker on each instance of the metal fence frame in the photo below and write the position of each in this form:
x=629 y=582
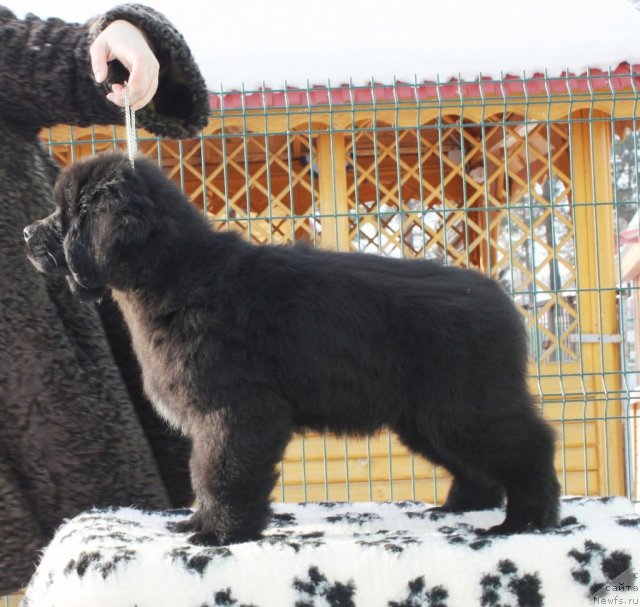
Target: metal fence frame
x=315 y=164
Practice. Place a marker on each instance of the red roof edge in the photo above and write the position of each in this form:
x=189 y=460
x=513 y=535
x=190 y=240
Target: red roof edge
x=623 y=77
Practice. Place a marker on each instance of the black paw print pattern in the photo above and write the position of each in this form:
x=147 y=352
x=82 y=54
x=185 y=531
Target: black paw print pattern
x=197 y=561
x=283 y=519
x=465 y=535
x=354 y=518
x=224 y=598
x=420 y=595
x=597 y=565
x=632 y=521
x=395 y=541
x=506 y=584
x=103 y=523
x=317 y=591
x=106 y=565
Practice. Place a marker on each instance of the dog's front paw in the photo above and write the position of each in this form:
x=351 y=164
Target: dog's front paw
x=189 y=526
x=204 y=538
x=444 y=509
x=201 y=534
x=508 y=528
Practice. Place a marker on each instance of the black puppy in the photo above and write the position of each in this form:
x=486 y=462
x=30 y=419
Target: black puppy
x=243 y=345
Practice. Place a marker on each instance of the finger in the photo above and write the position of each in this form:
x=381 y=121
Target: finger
x=148 y=94
x=117 y=95
x=99 y=53
x=137 y=91
x=111 y=97
x=141 y=77
x=136 y=100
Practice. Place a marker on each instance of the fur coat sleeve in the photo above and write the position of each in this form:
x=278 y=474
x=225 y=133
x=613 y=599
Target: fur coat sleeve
x=75 y=429
x=46 y=74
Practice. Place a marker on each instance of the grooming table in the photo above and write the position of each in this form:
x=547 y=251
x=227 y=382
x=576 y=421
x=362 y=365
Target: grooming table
x=327 y=554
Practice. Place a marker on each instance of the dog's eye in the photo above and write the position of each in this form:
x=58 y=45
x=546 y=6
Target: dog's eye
x=83 y=204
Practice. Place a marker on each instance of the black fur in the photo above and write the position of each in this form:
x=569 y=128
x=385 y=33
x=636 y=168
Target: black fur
x=243 y=345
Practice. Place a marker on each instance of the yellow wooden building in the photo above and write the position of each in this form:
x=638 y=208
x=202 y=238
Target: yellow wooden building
x=511 y=176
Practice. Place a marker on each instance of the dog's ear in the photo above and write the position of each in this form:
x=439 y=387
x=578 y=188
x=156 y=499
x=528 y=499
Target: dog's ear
x=111 y=219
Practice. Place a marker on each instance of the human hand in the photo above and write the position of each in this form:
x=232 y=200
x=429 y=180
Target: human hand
x=125 y=42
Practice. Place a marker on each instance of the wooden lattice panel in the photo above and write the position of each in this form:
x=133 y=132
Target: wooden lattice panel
x=396 y=197
x=538 y=230
x=260 y=185
x=475 y=197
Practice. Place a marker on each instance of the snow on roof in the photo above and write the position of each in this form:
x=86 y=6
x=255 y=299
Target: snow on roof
x=248 y=44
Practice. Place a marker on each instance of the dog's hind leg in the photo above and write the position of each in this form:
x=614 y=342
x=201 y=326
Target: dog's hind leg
x=524 y=465
x=473 y=492
x=470 y=490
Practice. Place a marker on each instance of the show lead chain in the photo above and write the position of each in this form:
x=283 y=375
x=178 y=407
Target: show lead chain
x=130 y=121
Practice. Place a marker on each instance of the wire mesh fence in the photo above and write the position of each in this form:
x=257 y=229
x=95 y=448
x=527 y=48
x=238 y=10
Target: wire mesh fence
x=532 y=180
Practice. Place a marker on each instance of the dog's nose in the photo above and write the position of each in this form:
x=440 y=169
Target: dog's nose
x=28 y=231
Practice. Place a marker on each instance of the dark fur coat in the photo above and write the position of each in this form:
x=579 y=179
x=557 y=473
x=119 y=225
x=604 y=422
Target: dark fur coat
x=73 y=434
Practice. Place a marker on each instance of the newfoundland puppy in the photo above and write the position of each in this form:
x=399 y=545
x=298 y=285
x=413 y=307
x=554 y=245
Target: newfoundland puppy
x=243 y=345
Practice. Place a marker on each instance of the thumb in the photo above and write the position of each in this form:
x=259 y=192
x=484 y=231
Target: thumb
x=99 y=53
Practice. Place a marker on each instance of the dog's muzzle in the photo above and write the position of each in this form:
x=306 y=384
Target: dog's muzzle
x=44 y=249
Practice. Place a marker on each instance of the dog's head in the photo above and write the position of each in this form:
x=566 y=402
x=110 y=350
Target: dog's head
x=101 y=213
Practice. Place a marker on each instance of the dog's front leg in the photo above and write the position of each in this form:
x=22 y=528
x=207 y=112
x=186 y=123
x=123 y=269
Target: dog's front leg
x=233 y=472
